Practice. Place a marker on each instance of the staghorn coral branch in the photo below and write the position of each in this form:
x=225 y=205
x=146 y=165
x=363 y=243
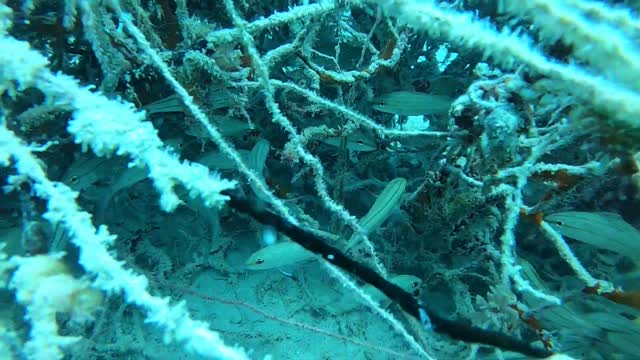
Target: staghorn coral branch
x=96 y=258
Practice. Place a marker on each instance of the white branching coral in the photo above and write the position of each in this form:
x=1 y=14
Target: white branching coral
x=45 y=287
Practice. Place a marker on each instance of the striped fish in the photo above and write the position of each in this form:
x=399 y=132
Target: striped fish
x=603 y=230
x=356 y=141
x=411 y=103
x=386 y=202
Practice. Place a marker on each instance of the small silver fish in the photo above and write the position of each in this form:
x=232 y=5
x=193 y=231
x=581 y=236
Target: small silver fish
x=257 y=162
x=411 y=103
x=603 y=230
x=216 y=99
x=386 y=202
x=216 y=160
x=169 y=104
x=87 y=170
x=409 y=283
x=258 y=157
x=227 y=126
x=279 y=255
x=233 y=127
x=356 y=141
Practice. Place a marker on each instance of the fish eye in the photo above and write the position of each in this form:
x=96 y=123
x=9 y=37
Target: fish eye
x=360 y=142
x=259 y=261
x=559 y=222
x=74 y=179
x=414 y=284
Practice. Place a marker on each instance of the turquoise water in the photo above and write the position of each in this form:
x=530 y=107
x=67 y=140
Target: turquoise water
x=319 y=180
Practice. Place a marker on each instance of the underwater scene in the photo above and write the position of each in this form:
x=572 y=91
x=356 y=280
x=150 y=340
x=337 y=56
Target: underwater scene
x=334 y=179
